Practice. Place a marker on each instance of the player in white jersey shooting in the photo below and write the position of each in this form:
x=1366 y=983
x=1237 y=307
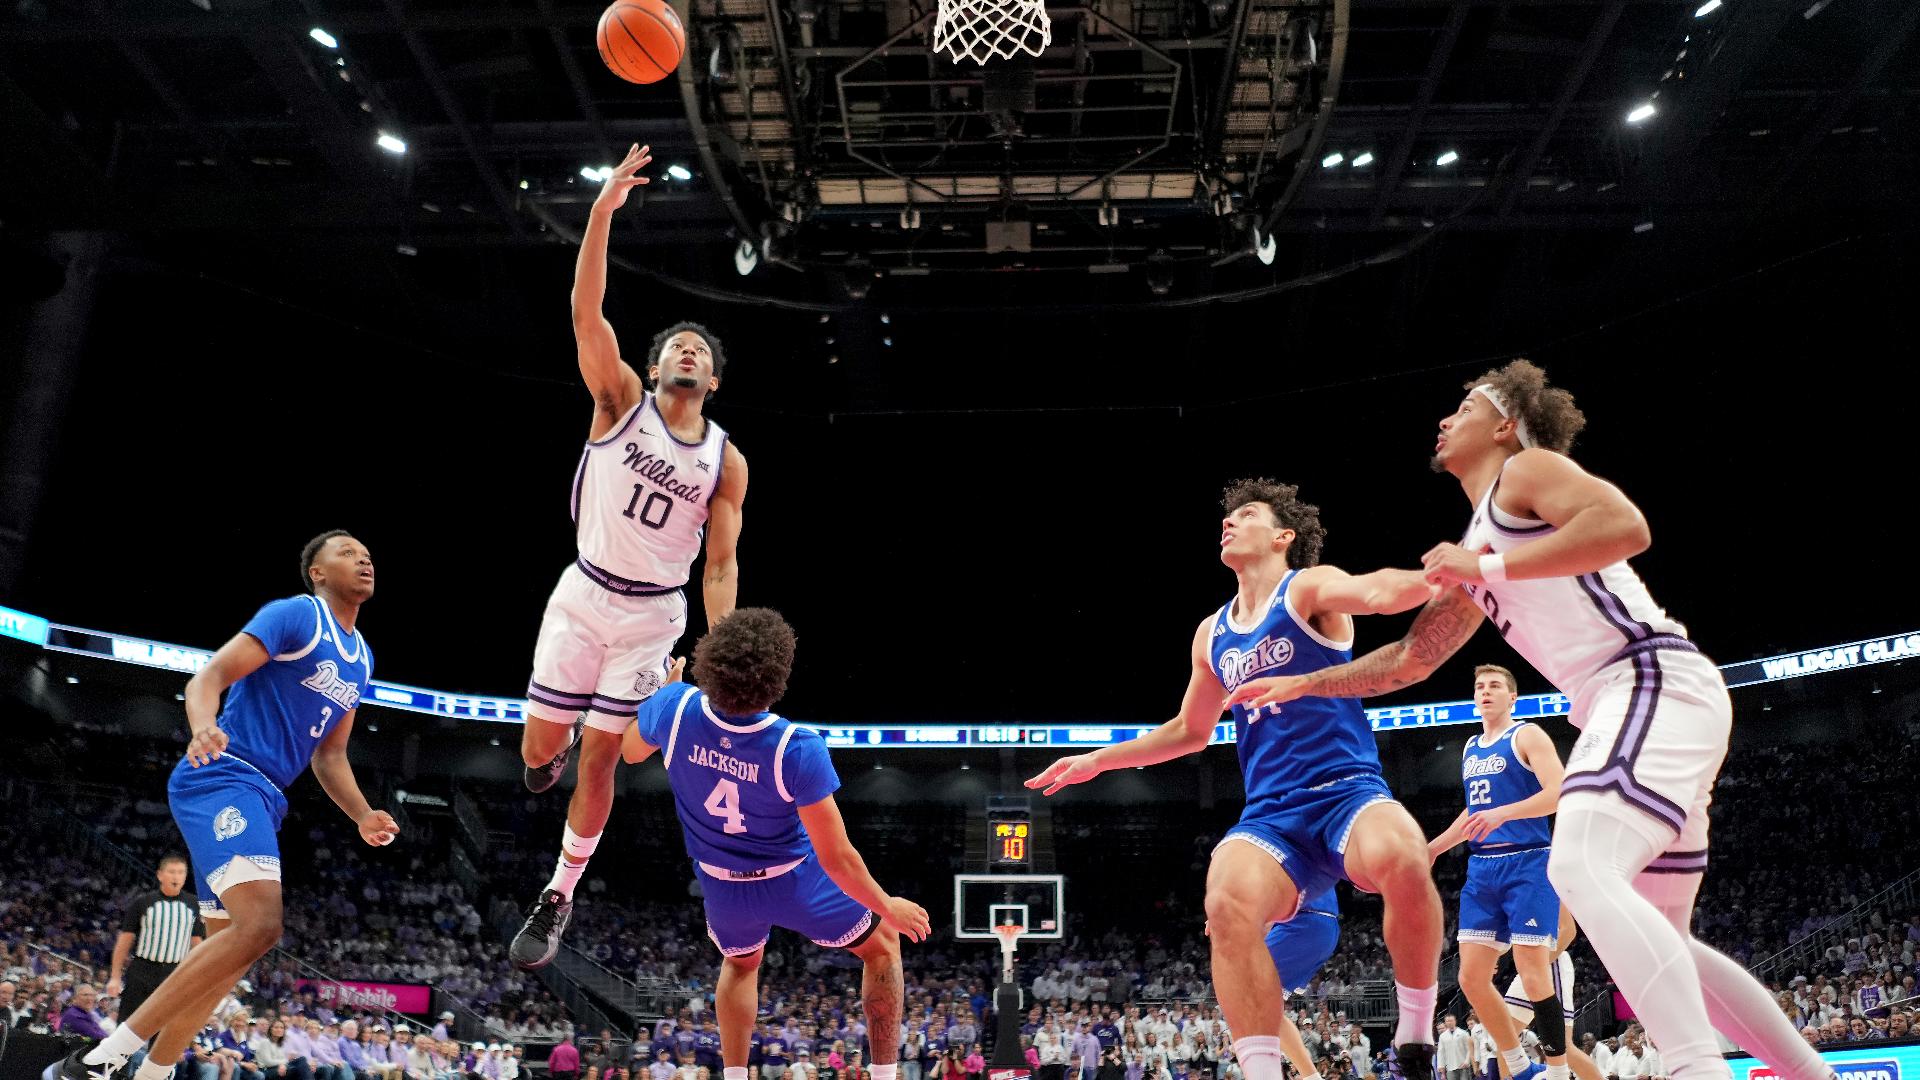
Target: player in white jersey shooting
x=655 y=477
x=1544 y=558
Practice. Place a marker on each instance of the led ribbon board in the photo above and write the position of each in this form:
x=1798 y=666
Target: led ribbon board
x=57 y=637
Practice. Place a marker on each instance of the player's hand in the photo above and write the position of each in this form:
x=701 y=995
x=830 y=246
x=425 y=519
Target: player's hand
x=378 y=828
x=1278 y=690
x=626 y=176
x=1483 y=822
x=206 y=745
x=676 y=669
x=1066 y=772
x=115 y=985
x=1450 y=564
x=907 y=919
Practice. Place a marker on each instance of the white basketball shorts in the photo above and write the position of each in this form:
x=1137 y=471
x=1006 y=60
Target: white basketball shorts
x=1654 y=727
x=1522 y=1007
x=600 y=652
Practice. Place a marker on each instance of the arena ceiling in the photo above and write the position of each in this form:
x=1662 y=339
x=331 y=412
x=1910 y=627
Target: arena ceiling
x=1163 y=142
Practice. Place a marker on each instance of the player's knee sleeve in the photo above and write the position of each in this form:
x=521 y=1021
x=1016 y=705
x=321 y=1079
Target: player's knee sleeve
x=1550 y=1024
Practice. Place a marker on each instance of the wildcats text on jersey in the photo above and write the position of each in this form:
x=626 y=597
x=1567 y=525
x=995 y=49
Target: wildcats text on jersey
x=708 y=758
x=661 y=471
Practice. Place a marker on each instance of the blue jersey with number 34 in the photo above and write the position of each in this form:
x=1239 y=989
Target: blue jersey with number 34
x=738 y=781
x=276 y=716
x=1302 y=743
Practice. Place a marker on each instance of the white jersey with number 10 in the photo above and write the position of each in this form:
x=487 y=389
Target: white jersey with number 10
x=640 y=499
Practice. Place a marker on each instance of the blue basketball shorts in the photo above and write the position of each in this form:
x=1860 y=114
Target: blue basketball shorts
x=1507 y=899
x=229 y=814
x=1306 y=830
x=1301 y=946
x=741 y=912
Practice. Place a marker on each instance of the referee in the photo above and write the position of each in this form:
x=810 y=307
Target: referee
x=158 y=929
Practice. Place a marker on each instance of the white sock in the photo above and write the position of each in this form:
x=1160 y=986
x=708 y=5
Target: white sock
x=1260 y=1057
x=153 y=1070
x=117 y=1047
x=1558 y=1072
x=1517 y=1061
x=885 y=1072
x=575 y=850
x=1416 y=1014
x=736 y=1072
x=1595 y=857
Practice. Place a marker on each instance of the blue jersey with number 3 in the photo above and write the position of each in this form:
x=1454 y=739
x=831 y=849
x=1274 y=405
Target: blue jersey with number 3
x=1302 y=743
x=738 y=782
x=1494 y=776
x=276 y=716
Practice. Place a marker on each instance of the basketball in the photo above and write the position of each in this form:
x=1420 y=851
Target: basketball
x=641 y=40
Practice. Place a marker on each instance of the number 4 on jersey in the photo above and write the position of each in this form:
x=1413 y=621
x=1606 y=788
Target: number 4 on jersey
x=725 y=803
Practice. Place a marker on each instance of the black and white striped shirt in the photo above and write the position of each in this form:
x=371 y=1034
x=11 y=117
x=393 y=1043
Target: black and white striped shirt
x=163 y=926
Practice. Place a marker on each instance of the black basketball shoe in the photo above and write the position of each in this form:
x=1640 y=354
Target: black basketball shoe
x=74 y=1068
x=1411 y=1061
x=544 y=777
x=534 y=946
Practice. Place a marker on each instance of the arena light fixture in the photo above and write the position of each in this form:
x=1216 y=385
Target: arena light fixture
x=1706 y=9
x=679 y=172
x=1643 y=227
x=392 y=144
x=1364 y=159
x=1447 y=158
x=324 y=38
x=597 y=174
x=1332 y=159
x=1641 y=113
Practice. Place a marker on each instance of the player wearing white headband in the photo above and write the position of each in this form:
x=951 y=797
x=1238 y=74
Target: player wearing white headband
x=1544 y=558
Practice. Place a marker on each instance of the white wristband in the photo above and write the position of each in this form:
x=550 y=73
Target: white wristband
x=1493 y=568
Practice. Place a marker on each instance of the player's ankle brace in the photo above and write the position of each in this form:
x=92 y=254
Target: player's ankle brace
x=1550 y=1024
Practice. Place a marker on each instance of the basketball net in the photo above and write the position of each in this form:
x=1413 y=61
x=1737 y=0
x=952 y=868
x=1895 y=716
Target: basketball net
x=1009 y=935
x=979 y=30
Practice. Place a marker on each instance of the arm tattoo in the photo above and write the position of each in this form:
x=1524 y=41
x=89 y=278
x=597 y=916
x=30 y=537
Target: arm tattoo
x=1437 y=633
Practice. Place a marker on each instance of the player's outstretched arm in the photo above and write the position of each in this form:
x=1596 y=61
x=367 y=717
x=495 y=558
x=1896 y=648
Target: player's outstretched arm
x=828 y=833
x=1595 y=526
x=1449 y=839
x=1187 y=733
x=335 y=773
x=1437 y=633
x=1537 y=752
x=720 y=588
x=634 y=748
x=240 y=657
x=615 y=386
x=1330 y=590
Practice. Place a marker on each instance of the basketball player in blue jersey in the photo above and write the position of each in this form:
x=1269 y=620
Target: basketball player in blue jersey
x=1511 y=774
x=1544 y=557
x=1317 y=808
x=655 y=480
x=298 y=670
x=755 y=797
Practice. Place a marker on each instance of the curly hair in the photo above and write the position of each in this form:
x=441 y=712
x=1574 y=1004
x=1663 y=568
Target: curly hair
x=660 y=342
x=1288 y=512
x=1552 y=418
x=743 y=663
x=312 y=552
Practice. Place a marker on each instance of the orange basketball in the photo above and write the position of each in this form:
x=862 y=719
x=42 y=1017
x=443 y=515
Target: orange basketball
x=641 y=40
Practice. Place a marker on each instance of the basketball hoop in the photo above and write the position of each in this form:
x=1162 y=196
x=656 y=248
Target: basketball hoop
x=979 y=30
x=1009 y=935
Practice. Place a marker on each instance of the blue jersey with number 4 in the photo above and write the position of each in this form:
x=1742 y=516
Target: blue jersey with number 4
x=276 y=716
x=1494 y=776
x=738 y=782
x=1302 y=743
